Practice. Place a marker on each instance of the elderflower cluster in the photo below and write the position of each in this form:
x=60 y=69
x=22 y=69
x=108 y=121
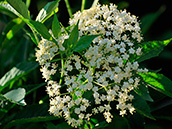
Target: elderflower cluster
x=93 y=81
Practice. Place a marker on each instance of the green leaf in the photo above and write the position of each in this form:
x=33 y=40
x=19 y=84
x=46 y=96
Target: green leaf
x=40 y=28
x=158 y=82
x=151 y=49
x=32 y=113
x=56 y=29
x=63 y=125
x=16 y=96
x=141 y=106
x=142 y=90
x=47 y=11
x=20 y=8
x=147 y=20
x=16 y=72
x=73 y=38
x=13 y=30
x=84 y=42
x=8 y=9
x=31 y=36
x=33 y=87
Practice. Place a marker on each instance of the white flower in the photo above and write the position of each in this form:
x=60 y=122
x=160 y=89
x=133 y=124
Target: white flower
x=77 y=110
x=102 y=72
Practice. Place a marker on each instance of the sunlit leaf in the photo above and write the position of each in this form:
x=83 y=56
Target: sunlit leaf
x=16 y=72
x=16 y=96
x=158 y=82
x=47 y=11
x=8 y=9
x=20 y=8
x=150 y=49
x=12 y=29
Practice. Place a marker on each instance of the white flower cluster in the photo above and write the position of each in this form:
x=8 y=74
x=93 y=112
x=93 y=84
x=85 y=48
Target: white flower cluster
x=102 y=74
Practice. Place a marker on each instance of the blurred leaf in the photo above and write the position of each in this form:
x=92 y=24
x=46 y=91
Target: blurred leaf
x=16 y=96
x=40 y=28
x=147 y=20
x=63 y=125
x=47 y=11
x=13 y=30
x=101 y=125
x=56 y=29
x=95 y=121
x=158 y=82
x=151 y=49
x=16 y=72
x=84 y=42
x=141 y=106
x=11 y=24
x=142 y=90
x=167 y=54
x=136 y=121
x=32 y=113
x=122 y=5
x=33 y=87
x=31 y=36
x=86 y=126
x=28 y=3
x=165 y=117
x=20 y=8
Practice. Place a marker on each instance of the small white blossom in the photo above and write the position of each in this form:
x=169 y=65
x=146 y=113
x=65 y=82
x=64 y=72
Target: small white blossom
x=103 y=72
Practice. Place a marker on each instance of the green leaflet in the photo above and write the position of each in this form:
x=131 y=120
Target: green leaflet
x=158 y=82
x=16 y=72
x=149 y=19
x=150 y=49
x=56 y=29
x=7 y=9
x=31 y=35
x=141 y=106
x=16 y=96
x=84 y=42
x=73 y=38
x=37 y=113
x=142 y=90
x=13 y=29
x=20 y=8
x=47 y=11
x=63 y=125
x=40 y=28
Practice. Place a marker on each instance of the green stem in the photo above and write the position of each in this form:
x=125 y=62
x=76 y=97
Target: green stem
x=83 y=5
x=61 y=76
x=37 y=40
x=69 y=8
x=100 y=85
